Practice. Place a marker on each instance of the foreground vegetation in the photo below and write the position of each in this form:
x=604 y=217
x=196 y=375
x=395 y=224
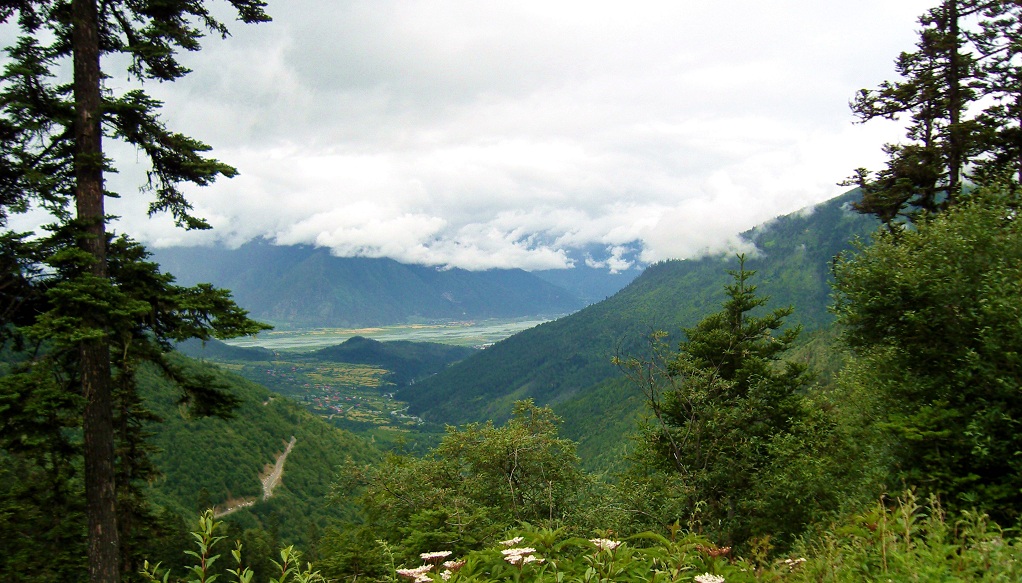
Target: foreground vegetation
x=896 y=540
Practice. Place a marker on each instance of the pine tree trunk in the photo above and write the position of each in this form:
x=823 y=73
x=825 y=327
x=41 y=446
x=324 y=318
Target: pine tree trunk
x=1018 y=145
x=98 y=427
x=955 y=106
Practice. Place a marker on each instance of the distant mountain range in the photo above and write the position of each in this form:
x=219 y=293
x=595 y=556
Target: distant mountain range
x=304 y=286
x=593 y=283
x=566 y=363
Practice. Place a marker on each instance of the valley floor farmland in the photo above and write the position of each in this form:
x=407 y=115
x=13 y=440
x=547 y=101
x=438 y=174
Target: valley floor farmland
x=467 y=333
x=338 y=392
x=358 y=397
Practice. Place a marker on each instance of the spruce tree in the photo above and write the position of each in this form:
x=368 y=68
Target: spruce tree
x=934 y=93
x=960 y=92
x=52 y=135
x=999 y=42
x=732 y=430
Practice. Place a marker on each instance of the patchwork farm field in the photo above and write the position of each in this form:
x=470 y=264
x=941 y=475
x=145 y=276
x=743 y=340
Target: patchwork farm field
x=338 y=392
x=353 y=396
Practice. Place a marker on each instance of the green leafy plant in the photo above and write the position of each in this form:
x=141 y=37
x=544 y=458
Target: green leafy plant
x=933 y=318
x=206 y=538
x=481 y=480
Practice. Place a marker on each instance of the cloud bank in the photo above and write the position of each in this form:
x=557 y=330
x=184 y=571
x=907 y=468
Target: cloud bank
x=482 y=135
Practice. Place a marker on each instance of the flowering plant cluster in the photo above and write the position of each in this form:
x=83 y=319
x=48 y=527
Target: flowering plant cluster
x=605 y=544
x=520 y=556
x=794 y=563
x=420 y=574
x=544 y=555
x=893 y=544
x=434 y=557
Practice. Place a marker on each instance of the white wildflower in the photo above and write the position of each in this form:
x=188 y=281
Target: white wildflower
x=708 y=578
x=520 y=556
x=454 y=565
x=518 y=551
x=793 y=563
x=512 y=542
x=605 y=544
x=434 y=557
x=417 y=573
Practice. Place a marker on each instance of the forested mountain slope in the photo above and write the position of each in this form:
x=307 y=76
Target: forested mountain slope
x=561 y=363
x=305 y=286
x=207 y=461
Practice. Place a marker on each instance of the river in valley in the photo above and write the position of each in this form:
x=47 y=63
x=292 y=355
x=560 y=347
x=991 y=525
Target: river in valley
x=478 y=333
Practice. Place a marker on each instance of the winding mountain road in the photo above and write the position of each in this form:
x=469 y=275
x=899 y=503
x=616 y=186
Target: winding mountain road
x=270 y=482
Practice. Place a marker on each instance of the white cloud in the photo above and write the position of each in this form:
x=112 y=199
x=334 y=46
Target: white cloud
x=616 y=262
x=478 y=135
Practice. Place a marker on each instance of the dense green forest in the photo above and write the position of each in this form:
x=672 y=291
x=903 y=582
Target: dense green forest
x=841 y=405
x=809 y=482
x=206 y=461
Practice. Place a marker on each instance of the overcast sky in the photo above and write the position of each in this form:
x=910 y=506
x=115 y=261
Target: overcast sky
x=482 y=134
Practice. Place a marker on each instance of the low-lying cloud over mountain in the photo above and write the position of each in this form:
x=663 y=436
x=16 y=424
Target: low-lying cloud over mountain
x=480 y=135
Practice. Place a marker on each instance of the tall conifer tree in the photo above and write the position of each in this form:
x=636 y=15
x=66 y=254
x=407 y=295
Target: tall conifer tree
x=960 y=92
x=731 y=427
x=52 y=135
x=935 y=91
x=1000 y=43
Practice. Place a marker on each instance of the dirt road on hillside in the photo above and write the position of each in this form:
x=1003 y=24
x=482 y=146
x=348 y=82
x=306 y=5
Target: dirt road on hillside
x=270 y=481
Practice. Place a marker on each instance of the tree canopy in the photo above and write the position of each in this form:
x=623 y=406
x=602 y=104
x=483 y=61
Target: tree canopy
x=734 y=447
x=932 y=314
x=960 y=92
x=481 y=480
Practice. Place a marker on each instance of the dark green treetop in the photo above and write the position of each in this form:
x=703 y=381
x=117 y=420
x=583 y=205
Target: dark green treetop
x=999 y=41
x=481 y=480
x=960 y=93
x=731 y=432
